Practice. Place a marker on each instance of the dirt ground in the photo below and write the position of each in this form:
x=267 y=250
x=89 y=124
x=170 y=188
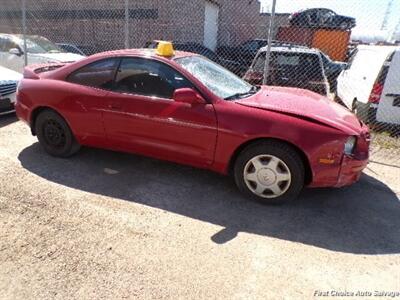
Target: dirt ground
x=106 y=225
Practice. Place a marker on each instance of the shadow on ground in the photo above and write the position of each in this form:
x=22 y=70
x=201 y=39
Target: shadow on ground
x=7 y=119
x=362 y=219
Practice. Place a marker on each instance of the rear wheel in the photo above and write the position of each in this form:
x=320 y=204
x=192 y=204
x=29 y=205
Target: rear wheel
x=270 y=172
x=54 y=134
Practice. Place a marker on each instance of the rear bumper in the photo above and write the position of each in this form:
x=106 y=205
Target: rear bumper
x=22 y=112
x=350 y=171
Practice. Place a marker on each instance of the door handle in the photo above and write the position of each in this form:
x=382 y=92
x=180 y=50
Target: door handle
x=393 y=95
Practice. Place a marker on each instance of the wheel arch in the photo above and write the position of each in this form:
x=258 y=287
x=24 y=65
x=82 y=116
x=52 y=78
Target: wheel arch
x=307 y=166
x=35 y=113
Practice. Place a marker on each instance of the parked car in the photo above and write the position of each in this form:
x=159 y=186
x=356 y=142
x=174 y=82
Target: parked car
x=292 y=66
x=321 y=18
x=244 y=53
x=40 y=50
x=71 y=48
x=84 y=50
x=370 y=86
x=231 y=65
x=332 y=70
x=182 y=107
x=8 y=86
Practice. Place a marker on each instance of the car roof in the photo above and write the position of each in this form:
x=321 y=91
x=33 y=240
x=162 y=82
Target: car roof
x=380 y=48
x=142 y=52
x=294 y=48
x=20 y=37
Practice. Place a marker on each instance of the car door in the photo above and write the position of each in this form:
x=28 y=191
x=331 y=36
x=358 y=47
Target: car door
x=86 y=99
x=356 y=81
x=389 y=105
x=142 y=117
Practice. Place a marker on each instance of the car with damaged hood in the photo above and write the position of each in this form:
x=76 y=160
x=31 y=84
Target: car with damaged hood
x=181 y=107
x=39 y=50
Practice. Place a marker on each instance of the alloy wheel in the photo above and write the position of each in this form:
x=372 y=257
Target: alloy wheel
x=267 y=176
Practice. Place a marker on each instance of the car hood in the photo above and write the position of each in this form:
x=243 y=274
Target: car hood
x=9 y=75
x=305 y=104
x=57 y=57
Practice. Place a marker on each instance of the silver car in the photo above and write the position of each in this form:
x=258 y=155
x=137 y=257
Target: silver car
x=8 y=86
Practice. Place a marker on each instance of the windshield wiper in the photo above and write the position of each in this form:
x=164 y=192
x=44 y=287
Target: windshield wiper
x=254 y=89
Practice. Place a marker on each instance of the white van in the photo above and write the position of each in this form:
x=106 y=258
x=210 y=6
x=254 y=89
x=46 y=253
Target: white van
x=370 y=85
x=40 y=51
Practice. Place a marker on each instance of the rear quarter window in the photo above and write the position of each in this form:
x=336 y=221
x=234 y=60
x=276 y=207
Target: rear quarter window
x=305 y=66
x=99 y=74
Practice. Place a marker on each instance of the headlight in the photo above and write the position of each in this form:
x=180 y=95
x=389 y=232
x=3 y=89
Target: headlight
x=350 y=145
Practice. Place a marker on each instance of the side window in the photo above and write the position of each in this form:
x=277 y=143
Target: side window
x=148 y=78
x=250 y=45
x=6 y=44
x=312 y=66
x=99 y=74
x=259 y=63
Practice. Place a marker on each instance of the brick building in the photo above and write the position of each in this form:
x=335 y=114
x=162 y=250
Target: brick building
x=280 y=19
x=101 y=23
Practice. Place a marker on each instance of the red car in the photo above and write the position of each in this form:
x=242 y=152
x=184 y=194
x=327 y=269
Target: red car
x=182 y=107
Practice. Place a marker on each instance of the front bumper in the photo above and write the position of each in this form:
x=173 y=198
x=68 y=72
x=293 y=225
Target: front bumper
x=350 y=171
x=7 y=104
x=352 y=166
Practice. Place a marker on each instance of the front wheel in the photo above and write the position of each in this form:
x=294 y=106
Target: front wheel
x=54 y=134
x=270 y=172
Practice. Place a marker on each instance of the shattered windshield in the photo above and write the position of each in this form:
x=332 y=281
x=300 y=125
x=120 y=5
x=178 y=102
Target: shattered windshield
x=220 y=81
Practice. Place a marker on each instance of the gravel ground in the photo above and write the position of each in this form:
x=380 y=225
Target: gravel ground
x=105 y=225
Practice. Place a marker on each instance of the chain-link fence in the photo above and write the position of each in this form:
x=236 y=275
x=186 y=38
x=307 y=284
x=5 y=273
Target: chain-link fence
x=314 y=49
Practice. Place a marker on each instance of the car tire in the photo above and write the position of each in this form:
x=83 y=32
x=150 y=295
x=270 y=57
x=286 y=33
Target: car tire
x=54 y=134
x=270 y=172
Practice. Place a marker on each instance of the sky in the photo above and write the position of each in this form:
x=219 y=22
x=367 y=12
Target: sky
x=368 y=13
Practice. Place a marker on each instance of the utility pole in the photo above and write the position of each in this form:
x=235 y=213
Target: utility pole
x=396 y=32
x=386 y=17
x=126 y=29
x=24 y=32
x=268 y=53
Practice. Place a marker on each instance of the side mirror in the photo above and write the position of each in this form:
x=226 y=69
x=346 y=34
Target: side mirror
x=15 y=51
x=253 y=77
x=189 y=96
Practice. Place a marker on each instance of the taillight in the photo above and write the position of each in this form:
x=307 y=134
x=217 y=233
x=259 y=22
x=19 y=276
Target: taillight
x=377 y=89
x=376 y=93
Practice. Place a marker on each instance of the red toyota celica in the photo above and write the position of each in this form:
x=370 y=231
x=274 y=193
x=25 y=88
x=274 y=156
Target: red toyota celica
x=182 y=107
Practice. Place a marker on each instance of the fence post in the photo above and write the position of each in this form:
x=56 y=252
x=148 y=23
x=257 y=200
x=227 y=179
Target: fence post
x=126 y=24
x=24 y=32
x=268 y=53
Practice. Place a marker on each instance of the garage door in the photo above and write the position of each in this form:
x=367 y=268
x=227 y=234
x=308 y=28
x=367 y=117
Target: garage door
x=211 y=25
